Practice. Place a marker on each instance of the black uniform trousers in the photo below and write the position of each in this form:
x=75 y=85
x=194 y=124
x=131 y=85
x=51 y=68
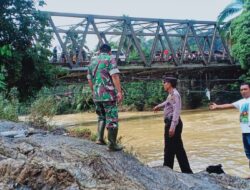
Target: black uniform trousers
x=174 y=146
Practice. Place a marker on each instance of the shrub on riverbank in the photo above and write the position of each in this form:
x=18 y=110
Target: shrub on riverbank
x=42 y=111
x=9 y=106
x=83 y=133
x=70 y=98
x=78 y=98
x=138 y=96
x=143 y=94
x=8 y=110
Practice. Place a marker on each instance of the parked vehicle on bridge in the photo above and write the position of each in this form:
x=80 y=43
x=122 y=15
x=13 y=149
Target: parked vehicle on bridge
x=122 y=56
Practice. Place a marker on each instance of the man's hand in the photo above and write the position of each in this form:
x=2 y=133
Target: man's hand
x=155 y=109
x=116 y=81
x=93 y=94
x=171 y=132
x=91 y=85
x=119 y=97
x=213 y=106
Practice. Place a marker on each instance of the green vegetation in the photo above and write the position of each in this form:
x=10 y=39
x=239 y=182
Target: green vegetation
x=78 y=98
x=143 y=95
x=82 y=133
x=241 y=38
x=4 y=52
x=24 y=63
x=24 y=48
x=228 y=15
x=9 y=106
x=42 y=111
x=8 y=109
x=70 y=98
x=231 y=11
x=236 y=30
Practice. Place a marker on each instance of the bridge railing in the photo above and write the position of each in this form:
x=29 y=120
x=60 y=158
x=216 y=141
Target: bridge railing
x=159 y=59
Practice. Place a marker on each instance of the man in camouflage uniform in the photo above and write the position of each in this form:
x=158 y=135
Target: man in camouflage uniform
x=103 y=79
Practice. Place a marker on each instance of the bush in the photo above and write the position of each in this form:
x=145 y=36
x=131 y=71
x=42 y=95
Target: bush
x=83 y=133
x=70 y=99
x=42 y=111
x=77 y=98
x=143 y=95
x=8 y=109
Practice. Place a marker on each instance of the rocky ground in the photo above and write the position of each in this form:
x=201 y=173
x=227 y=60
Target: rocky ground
x=34 y=159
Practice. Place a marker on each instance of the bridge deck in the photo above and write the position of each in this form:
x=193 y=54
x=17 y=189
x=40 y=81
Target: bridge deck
x=139 y=72
x=157 y=67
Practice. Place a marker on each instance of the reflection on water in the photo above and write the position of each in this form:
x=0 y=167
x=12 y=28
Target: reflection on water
x=210 y=137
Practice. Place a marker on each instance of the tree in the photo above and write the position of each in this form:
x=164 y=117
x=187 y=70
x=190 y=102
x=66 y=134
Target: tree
x=4 y=51
x=241 y=38
x=231 y=11
x=24 y=29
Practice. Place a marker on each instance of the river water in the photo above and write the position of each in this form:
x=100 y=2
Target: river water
x=210 y=137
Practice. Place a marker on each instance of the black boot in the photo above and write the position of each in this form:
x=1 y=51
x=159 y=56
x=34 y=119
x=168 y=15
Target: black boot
x=112 y=135
x=100 y=133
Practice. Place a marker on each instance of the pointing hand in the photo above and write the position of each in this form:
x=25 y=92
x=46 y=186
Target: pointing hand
x=213 y=106
x=155 y=109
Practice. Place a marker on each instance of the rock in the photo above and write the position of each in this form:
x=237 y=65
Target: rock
x=15 y=134
x=47 y=161
x=13 y=130
x=59 y=131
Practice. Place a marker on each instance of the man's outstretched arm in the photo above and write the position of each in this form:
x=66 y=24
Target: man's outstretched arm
x=222 y=106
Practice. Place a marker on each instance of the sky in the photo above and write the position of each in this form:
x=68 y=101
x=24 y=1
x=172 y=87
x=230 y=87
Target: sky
x=171 y=9
x=168 y=9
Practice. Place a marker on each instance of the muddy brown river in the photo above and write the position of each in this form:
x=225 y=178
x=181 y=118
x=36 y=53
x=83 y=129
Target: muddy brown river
x=210 y=137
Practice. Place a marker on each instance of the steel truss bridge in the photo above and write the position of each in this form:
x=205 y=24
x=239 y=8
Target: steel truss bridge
x=174 y=43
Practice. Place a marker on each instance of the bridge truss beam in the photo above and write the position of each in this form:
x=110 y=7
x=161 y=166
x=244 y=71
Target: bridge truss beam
x=201 y=35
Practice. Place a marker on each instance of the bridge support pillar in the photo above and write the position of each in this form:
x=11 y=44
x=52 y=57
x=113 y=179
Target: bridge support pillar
x=184 y=87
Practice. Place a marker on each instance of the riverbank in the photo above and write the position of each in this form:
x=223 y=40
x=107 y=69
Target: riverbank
x=48 y=160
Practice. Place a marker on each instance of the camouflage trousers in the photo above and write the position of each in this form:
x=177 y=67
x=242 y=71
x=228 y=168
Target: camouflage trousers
x=107 y=112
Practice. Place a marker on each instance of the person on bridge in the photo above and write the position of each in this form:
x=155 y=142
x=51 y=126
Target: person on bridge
x=243 y=106
x=104 y=81
x=173 y=127
x=54 y=55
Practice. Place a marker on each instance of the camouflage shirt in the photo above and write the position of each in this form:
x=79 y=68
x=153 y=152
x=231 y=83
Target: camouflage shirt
x=99 y=72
